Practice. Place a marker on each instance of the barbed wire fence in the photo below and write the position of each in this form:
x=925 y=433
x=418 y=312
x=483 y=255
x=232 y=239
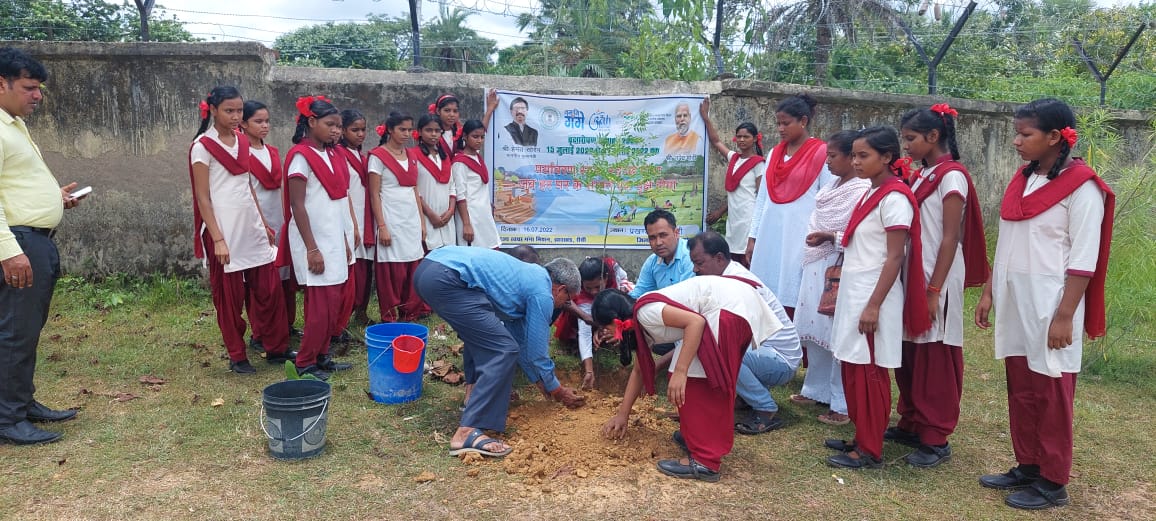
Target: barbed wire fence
x=949 y=26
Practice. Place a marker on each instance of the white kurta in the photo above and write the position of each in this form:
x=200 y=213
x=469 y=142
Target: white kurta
x=479 y=202
x=402 y=216
x=947 y=327
x=1032 y=260
x=862 y=263
x=269 y=200
x=330 y=224
x=780 y=237
x=237 y=214
x=437 y=196
x=357 y=197
x=741 y=205
x=708 y=296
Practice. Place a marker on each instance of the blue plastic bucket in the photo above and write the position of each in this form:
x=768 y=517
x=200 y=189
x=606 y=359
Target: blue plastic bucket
x=295 y=414
x=386 y=384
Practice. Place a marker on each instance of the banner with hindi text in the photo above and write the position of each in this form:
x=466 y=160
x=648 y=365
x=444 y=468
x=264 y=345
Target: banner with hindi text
x=538 y=146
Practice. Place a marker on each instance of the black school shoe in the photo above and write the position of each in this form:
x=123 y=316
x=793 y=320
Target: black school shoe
x=326 y=363
x=839 y=445
x=928 y=456
x=694 y=470
x=242 y=367
x=678 y=440
x=281 y=358
x=902 y=437
x=1040 y=495
x=864 y=461
x=313 y=370
x=1015 y=479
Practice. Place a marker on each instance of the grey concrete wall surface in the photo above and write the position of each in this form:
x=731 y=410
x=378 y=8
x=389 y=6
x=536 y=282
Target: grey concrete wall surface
x=121 y=116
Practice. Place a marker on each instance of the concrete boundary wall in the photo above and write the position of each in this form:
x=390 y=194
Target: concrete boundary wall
x=120 y=117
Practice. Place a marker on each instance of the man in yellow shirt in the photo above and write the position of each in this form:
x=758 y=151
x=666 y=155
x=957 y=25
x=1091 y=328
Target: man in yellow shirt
x=31 y=206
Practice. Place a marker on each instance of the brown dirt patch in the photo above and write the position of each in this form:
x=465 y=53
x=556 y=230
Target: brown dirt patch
x=552 y=443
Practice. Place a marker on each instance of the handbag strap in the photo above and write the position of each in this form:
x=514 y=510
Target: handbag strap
x=839 y=261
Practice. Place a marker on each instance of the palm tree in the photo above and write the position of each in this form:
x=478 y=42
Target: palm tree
x=830 y=18
x=585 y=36
x=451 y=46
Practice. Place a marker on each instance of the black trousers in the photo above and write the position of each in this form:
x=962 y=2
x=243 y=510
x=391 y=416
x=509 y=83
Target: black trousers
x=23 y=313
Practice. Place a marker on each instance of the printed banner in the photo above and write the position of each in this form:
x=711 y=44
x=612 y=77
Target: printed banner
x=542 y=150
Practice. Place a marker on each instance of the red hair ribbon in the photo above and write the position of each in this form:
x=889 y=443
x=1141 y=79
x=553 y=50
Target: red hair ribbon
x=1069 y=135
x=416 y=135
x=380 y=129
x=304 y=102
x=458 y=134
x=759 y=138
x=735 y=139
x=204 y=106
x=902 y=168
x=944 y=110
x=622 y=326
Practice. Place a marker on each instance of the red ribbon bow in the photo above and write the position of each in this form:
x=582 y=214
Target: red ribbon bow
x=622 y=326
x=433 y=107
x=204 y=106
x=1069 y=135
x=944 y=109
x=458 y=134
x=380 y=129
x=416 y=135
x=759 y=138
x=902 y=168
x=304 y=102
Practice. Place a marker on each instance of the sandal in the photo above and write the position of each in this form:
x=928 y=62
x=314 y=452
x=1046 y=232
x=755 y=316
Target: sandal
x=474 y=443
x=834 y=418
x=855 y=460
x=803 y=400
x=758 y=424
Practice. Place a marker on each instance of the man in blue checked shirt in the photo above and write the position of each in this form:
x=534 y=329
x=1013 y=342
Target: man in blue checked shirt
x=475 y=290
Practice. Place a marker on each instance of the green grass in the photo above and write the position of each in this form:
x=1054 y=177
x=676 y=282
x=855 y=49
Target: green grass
x=170 y=454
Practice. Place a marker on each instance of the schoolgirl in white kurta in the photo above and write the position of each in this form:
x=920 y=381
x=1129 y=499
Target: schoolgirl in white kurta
x=330 y=224
x=741 y=200
x=479 y=201
x=1032 y=260
x=944 y=328
x=439 y=192
x=402 y=215
x=357 y=198
x=238 y=216
x=862 y=263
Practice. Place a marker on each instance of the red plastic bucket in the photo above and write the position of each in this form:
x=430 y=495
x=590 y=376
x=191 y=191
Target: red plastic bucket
x=407 y=351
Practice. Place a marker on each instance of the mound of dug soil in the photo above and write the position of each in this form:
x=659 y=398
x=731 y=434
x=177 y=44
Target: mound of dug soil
x=551 y=442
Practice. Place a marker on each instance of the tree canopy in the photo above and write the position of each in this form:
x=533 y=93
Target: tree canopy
x=82 y=20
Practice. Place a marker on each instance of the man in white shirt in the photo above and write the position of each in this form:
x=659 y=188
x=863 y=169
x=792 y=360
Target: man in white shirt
x=774 y=361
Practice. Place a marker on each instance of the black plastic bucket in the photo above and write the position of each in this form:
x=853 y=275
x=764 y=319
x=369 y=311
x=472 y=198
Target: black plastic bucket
x=295 y=416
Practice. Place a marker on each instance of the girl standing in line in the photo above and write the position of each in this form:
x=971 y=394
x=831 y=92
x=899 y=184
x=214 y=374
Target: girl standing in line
x=796 y=169
x=265 y=170
x=319 y=234
x=446 y=109
x=1047 y=287
x=399 y=228
x=476 y=226
x=823 y=382
x=353 y=131
x=228 y=223
x=930 y=379
x=435 y=186
x=743 y=178
x=875 y=307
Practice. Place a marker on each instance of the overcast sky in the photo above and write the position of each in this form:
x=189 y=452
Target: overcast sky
x=230 y=20
x=265 y=20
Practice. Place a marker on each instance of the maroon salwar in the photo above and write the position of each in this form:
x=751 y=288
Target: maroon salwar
x=260 y=286
x=362 y=275
x=290 y=288
x=930 y=386
x=324 y=311
x=1040 y=416
x=868 y=390
x=706 y=421
x=395 y=294
x=348 y=296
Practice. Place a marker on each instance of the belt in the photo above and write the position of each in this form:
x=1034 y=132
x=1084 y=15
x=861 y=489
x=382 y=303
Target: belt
x=47 y=232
